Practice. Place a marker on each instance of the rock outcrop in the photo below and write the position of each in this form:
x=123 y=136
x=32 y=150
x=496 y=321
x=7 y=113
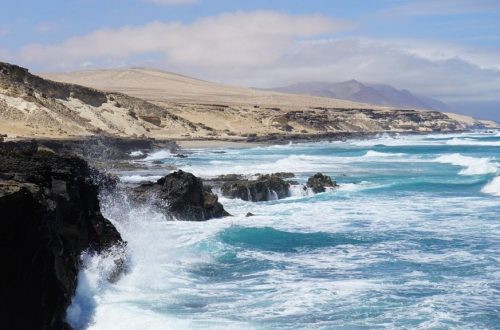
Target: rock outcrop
x=49 y=215
x=182 y=196
x=264 y=188
x=319 y=182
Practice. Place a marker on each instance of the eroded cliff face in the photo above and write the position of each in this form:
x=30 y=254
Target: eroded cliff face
x=31 y=106
x=49 y=215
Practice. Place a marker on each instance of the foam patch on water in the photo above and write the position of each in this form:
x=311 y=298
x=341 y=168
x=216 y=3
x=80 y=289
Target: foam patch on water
x=298 y=190
x=372 y=154
x=394 y=258
x=137 y=153
x=472 y=165
x=158 y=155
x=493 y=187
x=395 y=141
x=472 y=142
x=139 y=178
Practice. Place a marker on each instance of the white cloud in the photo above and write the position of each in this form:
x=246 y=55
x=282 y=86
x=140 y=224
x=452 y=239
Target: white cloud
x=450 y=78
x=266 y=49
x=172 y=2
x=233 y=39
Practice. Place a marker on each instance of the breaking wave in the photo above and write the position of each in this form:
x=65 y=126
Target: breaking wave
x=471 y=165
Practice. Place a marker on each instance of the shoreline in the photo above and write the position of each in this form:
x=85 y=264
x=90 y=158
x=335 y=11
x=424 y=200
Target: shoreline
x=125 y=145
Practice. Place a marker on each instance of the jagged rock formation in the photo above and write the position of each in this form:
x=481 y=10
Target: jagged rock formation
x=49 y=215
x=182 y=196
x=264 y=188
x=319 y=182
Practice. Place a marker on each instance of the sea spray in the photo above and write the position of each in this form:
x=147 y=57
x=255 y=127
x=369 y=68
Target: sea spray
x=398 y=238
x=493 y=187
x=472 y=165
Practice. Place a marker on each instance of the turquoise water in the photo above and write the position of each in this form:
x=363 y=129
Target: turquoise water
x=410 y=240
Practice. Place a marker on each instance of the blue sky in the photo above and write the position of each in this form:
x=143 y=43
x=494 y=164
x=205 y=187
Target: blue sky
x=55 y=20
x=448 y=49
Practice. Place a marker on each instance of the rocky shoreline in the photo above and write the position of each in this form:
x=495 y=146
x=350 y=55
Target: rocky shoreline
x=50 y=214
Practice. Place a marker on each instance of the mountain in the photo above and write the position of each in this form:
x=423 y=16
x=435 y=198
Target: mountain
x=353 y=90
x=150 y=103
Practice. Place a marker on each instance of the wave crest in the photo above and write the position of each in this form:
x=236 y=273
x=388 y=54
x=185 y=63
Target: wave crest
x=492 y=187
x=472 y=165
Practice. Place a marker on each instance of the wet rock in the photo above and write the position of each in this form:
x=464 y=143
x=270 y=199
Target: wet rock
x=264 y=188
x=282 y=175
x=319 y=182
x=249 y=214
x=180 y=156
x=181 y=195
x=49 y=215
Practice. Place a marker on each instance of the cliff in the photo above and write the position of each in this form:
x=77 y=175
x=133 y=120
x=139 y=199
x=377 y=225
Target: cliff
x=49 y=215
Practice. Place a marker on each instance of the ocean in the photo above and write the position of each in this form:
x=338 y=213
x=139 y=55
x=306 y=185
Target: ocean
x=410 y=240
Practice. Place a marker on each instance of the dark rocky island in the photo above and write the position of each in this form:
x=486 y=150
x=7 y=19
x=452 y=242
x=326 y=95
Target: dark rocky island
x=50 y=214
x=180 y=195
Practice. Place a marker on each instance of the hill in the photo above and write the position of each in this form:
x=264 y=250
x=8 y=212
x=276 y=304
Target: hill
x=152 y=103
x=353 y=90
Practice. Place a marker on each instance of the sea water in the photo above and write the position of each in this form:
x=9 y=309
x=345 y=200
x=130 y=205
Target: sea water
x=410 y=240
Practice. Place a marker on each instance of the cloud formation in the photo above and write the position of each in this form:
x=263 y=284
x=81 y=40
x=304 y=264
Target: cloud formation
x=234 y=39
x=266 y=49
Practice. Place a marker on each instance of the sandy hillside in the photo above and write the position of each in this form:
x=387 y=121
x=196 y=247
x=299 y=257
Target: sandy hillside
x=229 y=110
x=161 y=86
x=152 y=103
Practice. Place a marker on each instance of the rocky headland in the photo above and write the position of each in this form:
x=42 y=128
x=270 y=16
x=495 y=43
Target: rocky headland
x=50 y=214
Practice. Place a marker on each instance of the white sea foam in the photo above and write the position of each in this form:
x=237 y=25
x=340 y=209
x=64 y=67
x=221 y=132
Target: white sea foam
x=158 y=155
x=137 y=153
x=395 y=141
x=492 y=187
x=374 y=154
x=363 y=185
x=472 y=165
x=298 y=190
x=472 y=142
x=179 y=276
x=139 y=178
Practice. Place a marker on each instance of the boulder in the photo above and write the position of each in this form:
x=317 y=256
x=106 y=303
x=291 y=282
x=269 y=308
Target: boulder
x=319 y=182
x=49 y=215
x=264 y=188
x=182 y=196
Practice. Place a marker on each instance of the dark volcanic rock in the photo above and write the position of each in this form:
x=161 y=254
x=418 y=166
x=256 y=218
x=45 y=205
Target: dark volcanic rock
x=318 y=182
x=49 y=215
x=183 y=196
x=266 y=187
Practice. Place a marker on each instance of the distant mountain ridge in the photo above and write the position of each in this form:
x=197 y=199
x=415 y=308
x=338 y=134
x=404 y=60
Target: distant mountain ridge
x=353 y=90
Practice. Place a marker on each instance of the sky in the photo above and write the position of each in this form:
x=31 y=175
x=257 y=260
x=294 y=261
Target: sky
x=447 y=49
